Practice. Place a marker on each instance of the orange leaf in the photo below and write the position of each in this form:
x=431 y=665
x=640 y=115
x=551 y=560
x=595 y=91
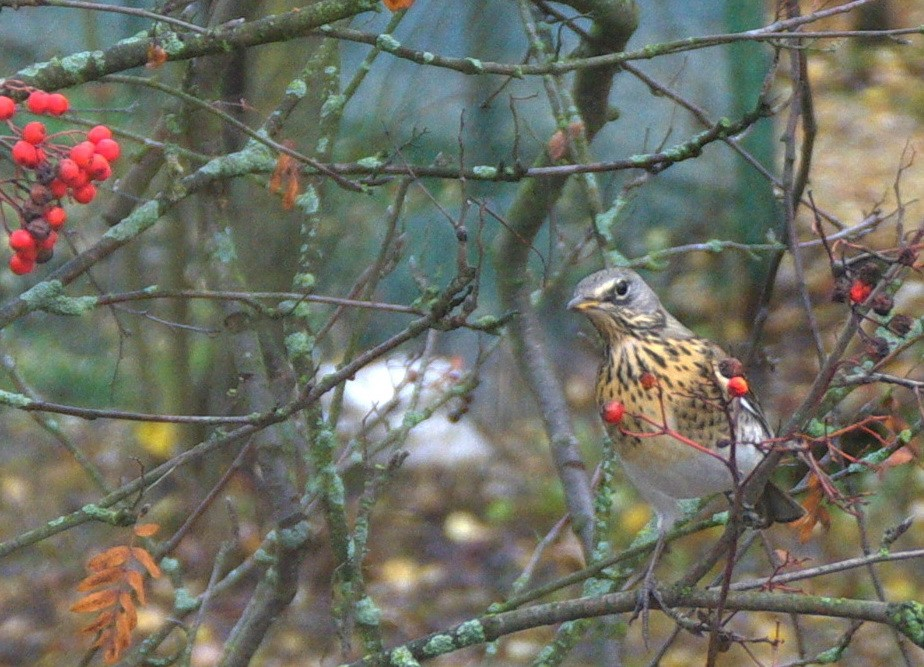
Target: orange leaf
x=96 y=601
x=143 y=557
x=109 y=558
x=146 y=529
x=104 y=619
x=128 y=619
x=900 y=456
x=398 y=5
x=136 y=581
x=103 y=638
x=815 y=513
x=288 y=201
x=557 y=146
x=156 y=56
x=108 y=576
x=283 y=167
x=112 y=654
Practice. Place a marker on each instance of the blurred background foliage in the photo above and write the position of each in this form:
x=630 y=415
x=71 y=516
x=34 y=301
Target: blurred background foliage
x=455 y=541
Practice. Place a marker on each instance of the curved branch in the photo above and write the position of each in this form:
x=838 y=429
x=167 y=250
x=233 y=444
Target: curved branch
x=525 y=218
x=905 y=617
x=133 y=52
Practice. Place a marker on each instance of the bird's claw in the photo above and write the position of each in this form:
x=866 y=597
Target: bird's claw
x=752 y=518
x=647 y=592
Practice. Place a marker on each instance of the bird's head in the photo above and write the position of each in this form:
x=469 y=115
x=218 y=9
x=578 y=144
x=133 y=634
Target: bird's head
x=619 y=303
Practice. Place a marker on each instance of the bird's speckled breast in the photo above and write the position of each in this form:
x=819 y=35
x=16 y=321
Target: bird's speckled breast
x=683 y=398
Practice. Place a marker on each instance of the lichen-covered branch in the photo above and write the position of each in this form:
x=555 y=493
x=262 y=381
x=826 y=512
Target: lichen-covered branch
x=905 y=617
x=525 y=218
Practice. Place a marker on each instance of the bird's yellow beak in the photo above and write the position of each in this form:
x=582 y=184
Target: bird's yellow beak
x=581 y=303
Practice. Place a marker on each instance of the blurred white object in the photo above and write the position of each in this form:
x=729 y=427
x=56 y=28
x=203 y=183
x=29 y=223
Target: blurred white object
x=379 y=397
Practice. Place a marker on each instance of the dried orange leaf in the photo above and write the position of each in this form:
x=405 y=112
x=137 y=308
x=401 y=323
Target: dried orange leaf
x=128 y=607
x=109 y=558
x=104 y=619
x=156 y=56
x=136 y=581
x=557 y=146
x=146 y=529
x=108 y=576
x=103 y=638
x=288 y=200
x=143 y=557
x=283 y=167
x=112 y=654
x=96 y=601
x=899 y=457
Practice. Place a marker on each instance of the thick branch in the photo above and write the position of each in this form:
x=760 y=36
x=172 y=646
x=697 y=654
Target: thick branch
x=906 y=617
x=525 y=218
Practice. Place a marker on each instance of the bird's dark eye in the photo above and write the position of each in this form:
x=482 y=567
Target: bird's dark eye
x=621 y=288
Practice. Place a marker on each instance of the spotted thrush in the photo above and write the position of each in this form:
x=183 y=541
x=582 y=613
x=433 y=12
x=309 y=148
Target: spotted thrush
x=678 y=421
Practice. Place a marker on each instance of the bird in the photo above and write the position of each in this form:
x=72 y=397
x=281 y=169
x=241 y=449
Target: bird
x=673 y=420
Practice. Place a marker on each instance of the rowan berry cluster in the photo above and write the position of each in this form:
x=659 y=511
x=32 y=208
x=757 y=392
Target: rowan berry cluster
x=49 y=169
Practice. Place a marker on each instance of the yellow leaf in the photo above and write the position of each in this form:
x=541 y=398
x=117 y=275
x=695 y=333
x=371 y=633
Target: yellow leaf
x=157 y=438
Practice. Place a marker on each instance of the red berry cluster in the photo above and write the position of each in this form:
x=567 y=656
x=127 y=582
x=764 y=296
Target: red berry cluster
x=46 y=173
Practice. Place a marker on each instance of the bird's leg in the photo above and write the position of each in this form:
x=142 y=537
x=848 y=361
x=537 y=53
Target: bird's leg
x=649 y=587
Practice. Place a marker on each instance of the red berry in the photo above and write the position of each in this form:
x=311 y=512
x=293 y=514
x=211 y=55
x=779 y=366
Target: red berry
x=68 y=171
x=99 y=132
x=58 y=104
x=84 y=194
x=109 y=149
x=99 y=168
x=58 y=188
x=82 y=153
x=738 y=386
x=55 y=216
x=859 y=291
x=7 y=107
x=34 y=132
x=25 y=154
x=613 y=412
x=21 y=265
x=648 y=380
x=37 y=101
x=49 y=242
x=80 y=180
x=21 y=240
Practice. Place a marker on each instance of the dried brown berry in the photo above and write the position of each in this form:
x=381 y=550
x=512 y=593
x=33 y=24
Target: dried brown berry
x=39 y=228
x=841 y=289
x=40 y=194
x=900 y=324
x=882 y=304
x=877 y=348
x=45 y=172
x=869 y=273
x=907 y=257
x=31 y=210
x=731 y=367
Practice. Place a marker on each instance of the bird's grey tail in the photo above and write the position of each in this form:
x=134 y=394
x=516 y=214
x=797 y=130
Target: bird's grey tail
x=777 y=505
